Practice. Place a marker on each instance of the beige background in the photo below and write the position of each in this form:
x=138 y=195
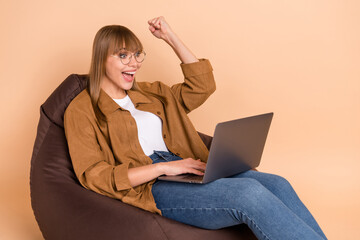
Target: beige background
x=299 y=59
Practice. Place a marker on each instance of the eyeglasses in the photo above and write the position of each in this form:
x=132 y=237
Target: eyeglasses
x=125 y=56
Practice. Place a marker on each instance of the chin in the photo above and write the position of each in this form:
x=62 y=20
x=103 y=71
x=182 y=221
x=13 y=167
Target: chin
x=127 y=86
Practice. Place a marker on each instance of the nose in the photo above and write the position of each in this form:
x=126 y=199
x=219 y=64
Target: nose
x=133 y=62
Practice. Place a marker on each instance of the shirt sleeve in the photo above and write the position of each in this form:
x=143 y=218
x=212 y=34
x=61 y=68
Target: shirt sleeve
x=91 y=165
x=198 y=85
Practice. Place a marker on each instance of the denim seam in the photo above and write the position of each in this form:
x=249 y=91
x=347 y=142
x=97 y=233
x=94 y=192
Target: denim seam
x=252 y=221
x=245 y=214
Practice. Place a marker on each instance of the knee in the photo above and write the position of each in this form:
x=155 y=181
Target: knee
x=253 y=189
x=280 y=182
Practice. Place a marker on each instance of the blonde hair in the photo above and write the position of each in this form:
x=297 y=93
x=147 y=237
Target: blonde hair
x=108 y=40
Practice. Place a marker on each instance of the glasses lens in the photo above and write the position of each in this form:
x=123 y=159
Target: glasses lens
x=140 y=56
x=125 y=57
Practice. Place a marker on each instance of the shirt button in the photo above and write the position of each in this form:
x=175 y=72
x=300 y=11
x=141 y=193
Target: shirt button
x=158 y=112
x=164 y=135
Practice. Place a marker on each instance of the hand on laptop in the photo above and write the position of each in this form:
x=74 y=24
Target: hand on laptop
x=187 y=165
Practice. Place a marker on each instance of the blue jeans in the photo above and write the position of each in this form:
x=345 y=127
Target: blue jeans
x=265 y=202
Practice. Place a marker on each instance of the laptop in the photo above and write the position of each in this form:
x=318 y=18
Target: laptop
x=237 y=146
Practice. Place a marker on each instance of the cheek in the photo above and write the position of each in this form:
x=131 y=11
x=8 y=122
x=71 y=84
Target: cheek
x=113 y=70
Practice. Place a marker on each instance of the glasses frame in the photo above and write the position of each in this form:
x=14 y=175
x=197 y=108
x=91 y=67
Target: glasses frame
x=131 y=55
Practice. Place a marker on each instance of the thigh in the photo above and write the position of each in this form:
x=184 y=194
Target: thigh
x=274 y=183
x=222 y=203
x=231 y=201
x=260 y=176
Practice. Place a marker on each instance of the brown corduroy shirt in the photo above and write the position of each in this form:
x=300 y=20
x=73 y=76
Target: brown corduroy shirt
x=102 y=154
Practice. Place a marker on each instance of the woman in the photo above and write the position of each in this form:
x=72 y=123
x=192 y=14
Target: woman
x=123 y=134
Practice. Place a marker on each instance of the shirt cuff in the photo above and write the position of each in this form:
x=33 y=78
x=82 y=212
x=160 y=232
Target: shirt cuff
x=121 y=177
x=196 y=68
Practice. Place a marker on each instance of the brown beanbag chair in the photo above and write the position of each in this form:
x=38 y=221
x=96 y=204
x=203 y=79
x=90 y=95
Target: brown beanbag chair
x=66 y=210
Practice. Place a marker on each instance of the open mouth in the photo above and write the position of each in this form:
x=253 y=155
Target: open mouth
x=128 y=76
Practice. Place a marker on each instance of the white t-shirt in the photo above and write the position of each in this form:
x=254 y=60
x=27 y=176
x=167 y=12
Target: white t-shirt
x=149 y=127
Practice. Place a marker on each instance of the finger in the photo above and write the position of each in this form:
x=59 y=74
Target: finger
x=191 y=164
x=157 y=23
x=153 y=21
x=151 y=28
x=156 y=26
x=151 y=24
x=197 y=172
x=188 y=159
x=197 y=161
x=198 y=165
x=201 y=167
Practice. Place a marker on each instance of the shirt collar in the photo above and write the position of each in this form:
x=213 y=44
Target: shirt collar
x=107 y=105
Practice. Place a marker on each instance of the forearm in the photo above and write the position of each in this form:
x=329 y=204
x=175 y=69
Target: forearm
x=160 y=29
x=184 y=53
x=144 y=174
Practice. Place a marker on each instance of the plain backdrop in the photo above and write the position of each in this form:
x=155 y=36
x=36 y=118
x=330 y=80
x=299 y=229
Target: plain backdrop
x=299 y=59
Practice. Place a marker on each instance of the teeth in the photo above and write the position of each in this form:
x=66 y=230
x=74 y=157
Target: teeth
x=132 y=73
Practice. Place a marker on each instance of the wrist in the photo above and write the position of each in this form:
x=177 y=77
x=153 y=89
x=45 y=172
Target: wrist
x=160 y=168
x=171 y=39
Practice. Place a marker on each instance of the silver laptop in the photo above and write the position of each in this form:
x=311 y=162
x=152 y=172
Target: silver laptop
x=237 y=146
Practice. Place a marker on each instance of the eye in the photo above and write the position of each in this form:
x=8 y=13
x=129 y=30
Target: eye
x=137 y=54
x=123 y=55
